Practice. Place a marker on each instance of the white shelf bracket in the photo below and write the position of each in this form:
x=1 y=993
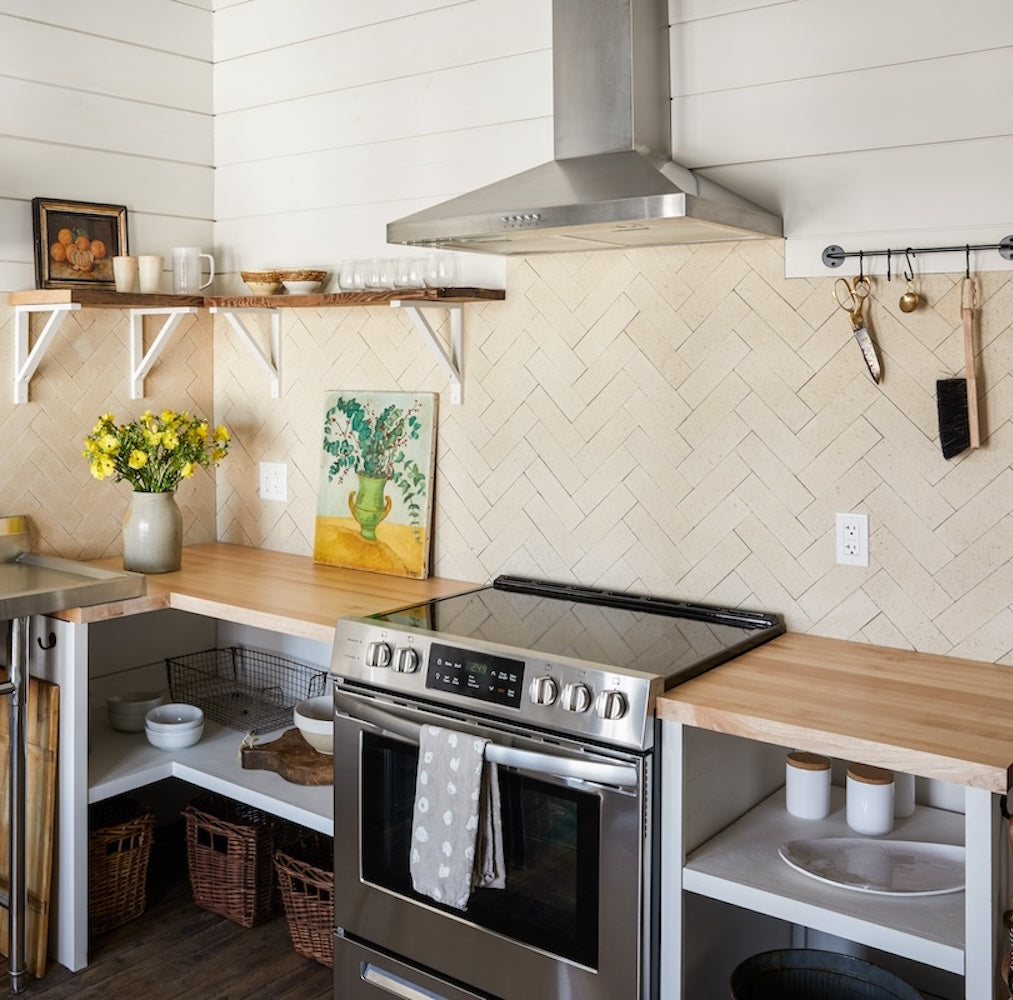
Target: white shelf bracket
x=450 y=359
x=271 y=364
x=26 y=359
x=141 y=361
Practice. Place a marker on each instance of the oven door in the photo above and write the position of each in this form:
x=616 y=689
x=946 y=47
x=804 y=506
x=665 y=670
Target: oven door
x=573 y=919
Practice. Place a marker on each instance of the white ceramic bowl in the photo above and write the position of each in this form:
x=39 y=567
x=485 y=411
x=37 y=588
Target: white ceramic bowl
x=314 y=718
x=301 y=287
x=174 y=739
x=174 y=718
x=127 y=711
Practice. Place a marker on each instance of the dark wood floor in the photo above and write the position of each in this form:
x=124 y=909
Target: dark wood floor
x=177 y=951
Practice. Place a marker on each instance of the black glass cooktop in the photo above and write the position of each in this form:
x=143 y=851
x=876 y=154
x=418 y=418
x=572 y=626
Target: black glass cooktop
x=671 y=639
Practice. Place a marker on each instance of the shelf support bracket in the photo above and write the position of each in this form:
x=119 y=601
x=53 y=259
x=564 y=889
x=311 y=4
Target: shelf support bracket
x=141 y=362
x=270 y=363
x=26 y=359
x=448 y=357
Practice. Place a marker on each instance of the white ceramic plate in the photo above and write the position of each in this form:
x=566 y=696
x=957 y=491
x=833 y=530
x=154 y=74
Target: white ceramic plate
x=886 y=867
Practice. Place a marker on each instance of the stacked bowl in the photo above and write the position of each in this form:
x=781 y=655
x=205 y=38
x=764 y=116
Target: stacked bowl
x=127 y=711
x=314 y=718
x=172 y=727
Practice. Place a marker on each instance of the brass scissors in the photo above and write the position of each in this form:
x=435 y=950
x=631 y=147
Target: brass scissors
x=851 y=297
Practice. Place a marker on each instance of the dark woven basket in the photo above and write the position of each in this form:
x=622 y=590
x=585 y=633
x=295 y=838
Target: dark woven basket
x=307 y=891
x=119 y=848
x=229 y=850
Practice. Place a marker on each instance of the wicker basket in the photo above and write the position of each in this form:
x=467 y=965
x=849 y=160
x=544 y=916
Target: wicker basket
x=308 y=894
x=229 y=850
x=119 y=848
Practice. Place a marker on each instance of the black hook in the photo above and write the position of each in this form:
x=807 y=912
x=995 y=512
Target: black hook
x=861 y=266
x=50 y=641
x=889 y=253
x=909 y=273
x=967 y=261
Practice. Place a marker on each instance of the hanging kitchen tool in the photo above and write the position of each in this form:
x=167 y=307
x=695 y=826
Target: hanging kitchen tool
x=957 y=398
x=910 y=300
x=851 y=298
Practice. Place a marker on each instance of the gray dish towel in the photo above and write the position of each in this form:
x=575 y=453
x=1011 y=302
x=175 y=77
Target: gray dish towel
x=457 y=831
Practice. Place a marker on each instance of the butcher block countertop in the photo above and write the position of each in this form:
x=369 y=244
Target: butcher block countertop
x=270 y=590
x=935 y=716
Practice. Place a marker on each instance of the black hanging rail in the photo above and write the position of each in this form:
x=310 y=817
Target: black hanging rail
x=834 y=256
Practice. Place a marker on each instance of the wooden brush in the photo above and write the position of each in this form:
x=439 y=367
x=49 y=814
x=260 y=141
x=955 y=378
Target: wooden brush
x=957 y=398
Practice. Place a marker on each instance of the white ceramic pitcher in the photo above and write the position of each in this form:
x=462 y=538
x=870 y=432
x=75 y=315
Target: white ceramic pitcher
x=186 y=271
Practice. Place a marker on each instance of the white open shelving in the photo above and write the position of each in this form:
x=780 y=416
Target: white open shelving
x=122 y=762
x=741 y=866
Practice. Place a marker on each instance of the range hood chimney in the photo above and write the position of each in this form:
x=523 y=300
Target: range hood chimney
x=612 y=183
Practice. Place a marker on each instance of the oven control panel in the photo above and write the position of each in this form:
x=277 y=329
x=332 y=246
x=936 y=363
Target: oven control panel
x=475 y=675
x=558 y=694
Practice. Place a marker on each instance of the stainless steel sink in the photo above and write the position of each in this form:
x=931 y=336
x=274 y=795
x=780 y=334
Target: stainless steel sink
x=33 y=584
x=36 y=585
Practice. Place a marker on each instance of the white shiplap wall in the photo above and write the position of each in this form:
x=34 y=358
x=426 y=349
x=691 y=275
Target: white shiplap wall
x=355 y=114
x=869 y=126
x=108 y=103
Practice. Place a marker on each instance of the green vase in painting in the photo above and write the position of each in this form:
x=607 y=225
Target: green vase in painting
x=369 y=506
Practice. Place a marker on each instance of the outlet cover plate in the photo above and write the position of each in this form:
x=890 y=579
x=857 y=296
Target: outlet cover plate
x=274 y=481
x=852 y=539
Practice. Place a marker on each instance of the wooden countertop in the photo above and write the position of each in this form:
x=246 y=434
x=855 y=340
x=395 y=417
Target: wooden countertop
x=271 y=590
x=935 y=716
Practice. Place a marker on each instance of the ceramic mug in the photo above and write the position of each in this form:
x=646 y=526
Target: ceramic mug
x=186 y=273
x=125 y=274
x=149 y=272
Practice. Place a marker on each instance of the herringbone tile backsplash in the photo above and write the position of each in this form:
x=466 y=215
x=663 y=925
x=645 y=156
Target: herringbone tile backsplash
x=682 y=421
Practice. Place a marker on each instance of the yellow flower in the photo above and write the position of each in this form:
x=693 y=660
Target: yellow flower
x=153 y=453
x=222 y=433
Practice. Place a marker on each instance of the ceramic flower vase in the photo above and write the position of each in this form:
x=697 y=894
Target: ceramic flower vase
x=153 y=534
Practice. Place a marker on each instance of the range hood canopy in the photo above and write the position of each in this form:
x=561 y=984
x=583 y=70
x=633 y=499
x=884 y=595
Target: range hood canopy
x=612 y=183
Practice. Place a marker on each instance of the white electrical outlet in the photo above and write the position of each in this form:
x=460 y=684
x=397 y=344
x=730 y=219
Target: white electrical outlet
x=853 y=539
x=274 y=481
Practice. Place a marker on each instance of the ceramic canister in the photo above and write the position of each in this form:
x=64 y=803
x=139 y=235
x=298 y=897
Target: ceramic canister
x=870 y=800
x=807 y=785
x=903 y=794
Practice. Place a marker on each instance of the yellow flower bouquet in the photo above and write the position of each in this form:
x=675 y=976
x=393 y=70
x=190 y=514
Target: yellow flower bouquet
x=153 y=453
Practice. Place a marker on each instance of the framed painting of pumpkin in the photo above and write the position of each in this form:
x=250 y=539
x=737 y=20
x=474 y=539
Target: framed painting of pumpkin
x=75 y=242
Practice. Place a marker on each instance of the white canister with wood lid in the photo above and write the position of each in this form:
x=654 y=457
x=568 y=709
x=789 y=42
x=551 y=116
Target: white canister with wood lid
x=870 y=800
x=807 y=785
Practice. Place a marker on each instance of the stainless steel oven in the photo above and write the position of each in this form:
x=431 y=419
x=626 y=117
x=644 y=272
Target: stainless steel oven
x=562 y=684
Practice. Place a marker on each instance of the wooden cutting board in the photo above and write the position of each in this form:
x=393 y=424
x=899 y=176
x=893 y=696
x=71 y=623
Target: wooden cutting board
x=291 y=757
x=42 y=719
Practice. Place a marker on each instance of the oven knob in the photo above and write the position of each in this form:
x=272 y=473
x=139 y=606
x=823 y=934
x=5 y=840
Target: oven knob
x=576 y=698
x=610 y=705
x=378 y=654
x=406 y=660
x=543 y=691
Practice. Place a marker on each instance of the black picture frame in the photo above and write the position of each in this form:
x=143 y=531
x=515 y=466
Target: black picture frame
x=75 y=242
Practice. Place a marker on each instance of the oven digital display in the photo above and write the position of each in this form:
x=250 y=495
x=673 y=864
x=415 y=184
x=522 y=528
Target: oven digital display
x=482 y=676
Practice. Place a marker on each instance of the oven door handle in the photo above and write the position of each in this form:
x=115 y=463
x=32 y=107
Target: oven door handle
x=533 y=761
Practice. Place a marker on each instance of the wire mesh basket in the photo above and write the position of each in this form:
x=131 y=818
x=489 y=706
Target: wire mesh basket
x=246 y=689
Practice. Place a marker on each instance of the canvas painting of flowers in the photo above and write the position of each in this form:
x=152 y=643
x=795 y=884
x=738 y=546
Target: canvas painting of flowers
x=375 y=502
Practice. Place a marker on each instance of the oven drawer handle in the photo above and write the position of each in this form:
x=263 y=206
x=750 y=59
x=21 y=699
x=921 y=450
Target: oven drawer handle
x=598 y=772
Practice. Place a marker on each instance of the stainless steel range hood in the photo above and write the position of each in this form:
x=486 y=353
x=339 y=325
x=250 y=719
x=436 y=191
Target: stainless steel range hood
x=612 y=183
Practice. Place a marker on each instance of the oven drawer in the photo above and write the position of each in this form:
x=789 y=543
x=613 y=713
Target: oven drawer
x=361 y=973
